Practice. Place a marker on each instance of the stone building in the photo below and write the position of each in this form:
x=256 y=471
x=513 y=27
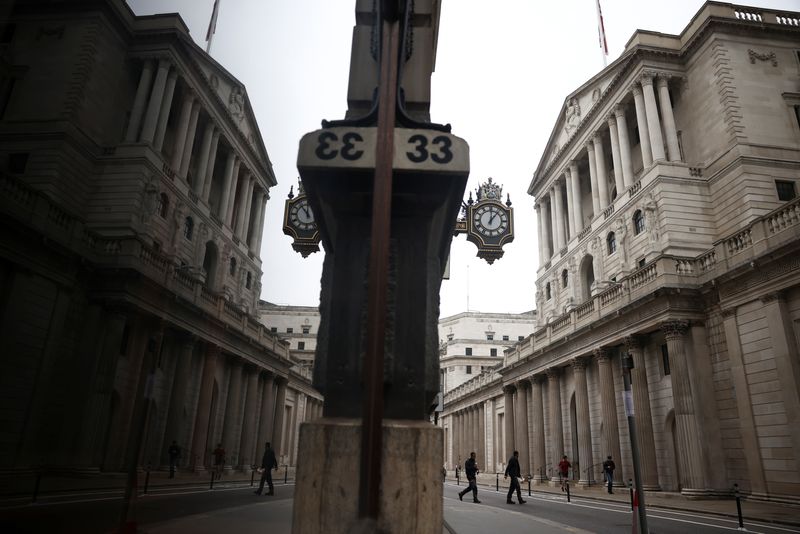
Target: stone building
x=668 y=230
x=134 y=181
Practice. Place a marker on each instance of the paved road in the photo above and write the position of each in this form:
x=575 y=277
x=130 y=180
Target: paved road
x=233 y=507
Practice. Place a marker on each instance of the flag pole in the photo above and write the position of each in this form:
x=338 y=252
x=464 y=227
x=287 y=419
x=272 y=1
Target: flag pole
x=212 y=26
x=601 y=33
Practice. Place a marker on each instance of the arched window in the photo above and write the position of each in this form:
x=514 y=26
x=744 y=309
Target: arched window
x=638 y=222
x=232 y=268
x=611 y=241
x=163 y=205
x=188 y=228
x=547 y=292
x=564 y=278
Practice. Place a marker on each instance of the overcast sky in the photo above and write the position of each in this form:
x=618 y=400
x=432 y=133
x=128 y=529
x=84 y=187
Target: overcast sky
x=503 y=69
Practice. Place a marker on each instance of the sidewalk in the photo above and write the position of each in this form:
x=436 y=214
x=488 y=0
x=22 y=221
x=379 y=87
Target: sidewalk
x=751 y=510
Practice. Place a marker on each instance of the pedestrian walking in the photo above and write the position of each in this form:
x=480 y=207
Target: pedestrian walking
x=268 y=463
x=608 y=471
x=563 y=470
x=219 y=461
x=513 y=471
x=174 y=453
x=471 y=469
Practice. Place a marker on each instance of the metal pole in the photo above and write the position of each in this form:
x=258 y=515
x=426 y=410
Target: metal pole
x=529 y=486
x=36 y=485
x=738 y=507
x=286 y=474
x=146 y=479
x=372 y=426
x=498 y=482
x=252 y=475
x=211 y=485
x=630 y=488
x=627 y=365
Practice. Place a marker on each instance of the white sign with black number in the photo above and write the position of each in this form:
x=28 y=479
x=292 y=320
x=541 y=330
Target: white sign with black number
x=627 y=397
x=344 y=147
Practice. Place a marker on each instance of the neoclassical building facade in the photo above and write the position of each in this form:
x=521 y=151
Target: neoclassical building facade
x=134 y=182
x=669 y=230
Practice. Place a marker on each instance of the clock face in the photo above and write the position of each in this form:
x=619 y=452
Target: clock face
x=490 y=220
x=301 y=216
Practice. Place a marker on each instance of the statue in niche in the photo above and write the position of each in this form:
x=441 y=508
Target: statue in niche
x=236 y=103
x=596 y=95
x=178 y=216
x=573 y=116
x=200 y=251
x=149 y=199
x=621 y=233
x=651 y=219
x=596 y=249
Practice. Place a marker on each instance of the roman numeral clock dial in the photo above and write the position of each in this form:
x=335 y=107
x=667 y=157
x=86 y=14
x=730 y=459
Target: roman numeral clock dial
x=299 y=222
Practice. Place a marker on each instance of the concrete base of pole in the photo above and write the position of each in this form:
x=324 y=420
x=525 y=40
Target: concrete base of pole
x=326 y=492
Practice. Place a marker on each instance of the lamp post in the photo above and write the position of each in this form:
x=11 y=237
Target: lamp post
x=627 y=365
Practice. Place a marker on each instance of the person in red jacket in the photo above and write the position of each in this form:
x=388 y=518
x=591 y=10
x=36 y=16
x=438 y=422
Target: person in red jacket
x=563 y=470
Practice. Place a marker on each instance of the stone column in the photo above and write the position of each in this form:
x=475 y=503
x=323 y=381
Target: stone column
x=476 y=435
x=577 y=200
x=186 y=157
x=232 y=196
x=202 y=162
x=537 y=407
x=608 y=401
x=561 y=231
x=177 y=402
x=616 y=158
x=226 y=186
x=231 y=430
x=248 y=455
x=546 y=234
x=569 y=223
x=556 y=425
x=280 y=409
x=139 y=101
x=643 y=414
x=244 y=192
x=212 y=161
x=593 y=179
x=199 y=447
x=538 y=208
x=586 y=475
x=154 y=105
x=248 y=207
x=255 y=229
x=787 y=364
x=180 y=132
x=670 y=131
x=653 y=123
x=641 y=122
x=163 y=114
x=267 y=417
x=624 y=146
x=521 y=429
x=690 y=453
x=508 y=420
x=482 y=436
x=600 y=169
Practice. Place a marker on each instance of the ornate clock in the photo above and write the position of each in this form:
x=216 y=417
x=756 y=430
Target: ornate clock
x=299 y=222
x=489 y=222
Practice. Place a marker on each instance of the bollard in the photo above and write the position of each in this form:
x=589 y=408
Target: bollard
x=458 y=480
x=738 y=506
x=498 y=481
x=252 y=475
x=567 y=485
x=286 y=474
x=36 y=485
x=529 y=485
x=630 y=488
x=146 y=480
x=211 y=486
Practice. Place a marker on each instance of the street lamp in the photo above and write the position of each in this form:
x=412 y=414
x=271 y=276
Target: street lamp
x=627 y=365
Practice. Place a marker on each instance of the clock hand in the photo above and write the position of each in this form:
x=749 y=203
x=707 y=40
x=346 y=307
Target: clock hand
x=492 y=217
x=305 y=209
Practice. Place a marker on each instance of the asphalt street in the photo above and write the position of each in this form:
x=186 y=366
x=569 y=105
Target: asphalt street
x=233 y=507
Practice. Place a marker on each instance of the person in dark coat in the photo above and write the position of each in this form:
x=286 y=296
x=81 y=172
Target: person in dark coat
x=608 y=472
x=268 y=463
x=174 y=453
x=513 y=471
x=471 y=469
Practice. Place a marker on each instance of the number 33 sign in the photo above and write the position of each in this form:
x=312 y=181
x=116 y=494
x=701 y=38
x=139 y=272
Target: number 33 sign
x=427 y=150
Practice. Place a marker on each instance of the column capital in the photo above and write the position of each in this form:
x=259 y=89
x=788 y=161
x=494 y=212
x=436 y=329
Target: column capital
x=552 y=372
x=601 y=354
x=729 y=312
x=633 y=342
x=509 y=389
x=611 y=119
x=589 y=145
x=636 y=89
x=573 y=166
x=619 y=110
x=675 y=329
x=267 y=374
x=523 y=383
x=772 y=296
x=538 y=379
x=662 y=80
x=597 y=137
x=213 y=350
x=578 y=363
x=646 y=78
x=537 y=206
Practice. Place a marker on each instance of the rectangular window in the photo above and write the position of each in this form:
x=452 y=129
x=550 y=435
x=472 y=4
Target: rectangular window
x=468 y=351
x=301 y=345
x=641 y=262
x=665 y=359
x=520 y=338
x=306 y=329
x=785 y=190
x=17 y=162
x=449 y=337
x=469 y=369
x=290 y=330
x=489 y=337
x=505 y=338
x=797 y=114
x=492 y=352
x=274 y=329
